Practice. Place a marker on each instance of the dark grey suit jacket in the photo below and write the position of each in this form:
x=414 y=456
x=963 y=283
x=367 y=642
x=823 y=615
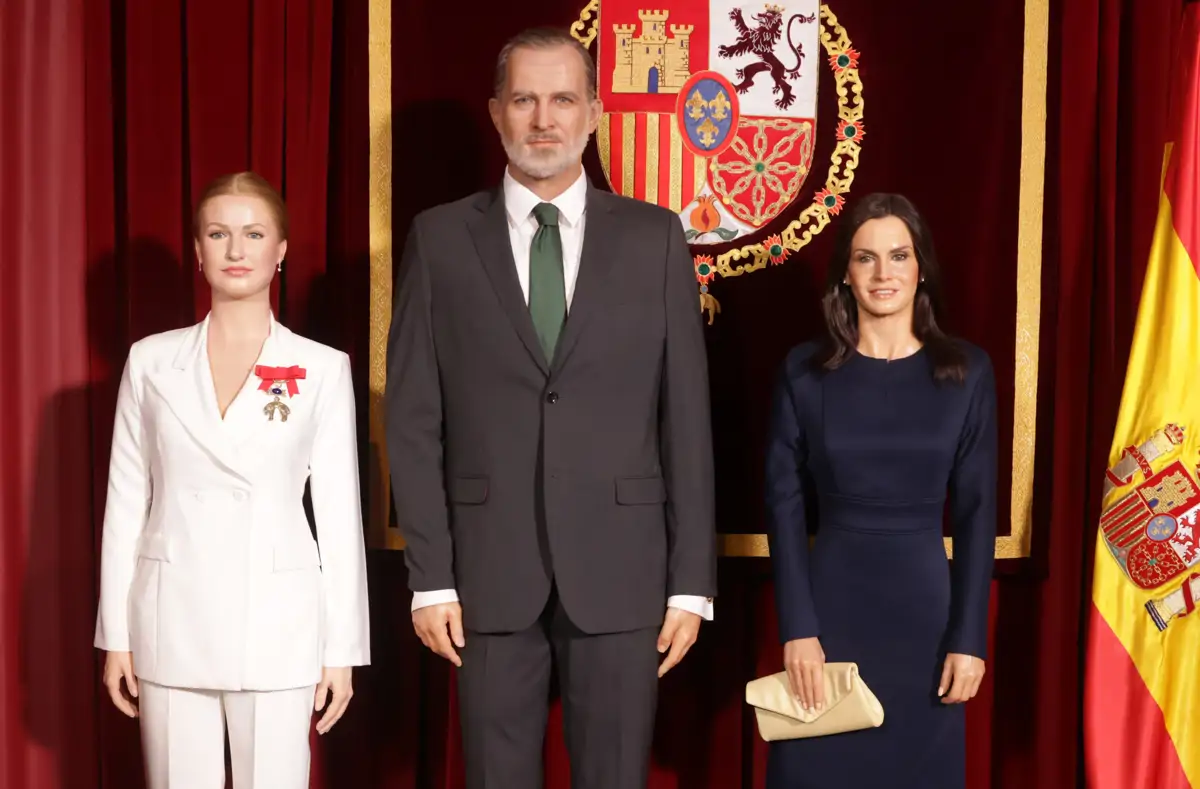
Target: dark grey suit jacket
x=594 y=470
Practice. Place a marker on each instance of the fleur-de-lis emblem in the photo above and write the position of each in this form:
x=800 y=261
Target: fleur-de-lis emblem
x=720 y=106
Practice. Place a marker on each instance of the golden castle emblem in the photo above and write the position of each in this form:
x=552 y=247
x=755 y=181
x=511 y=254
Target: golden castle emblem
x=652 y=62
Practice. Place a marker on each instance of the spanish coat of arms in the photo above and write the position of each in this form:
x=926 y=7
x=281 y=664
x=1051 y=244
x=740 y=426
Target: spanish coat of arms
x=711 y=111
x=1152 y=530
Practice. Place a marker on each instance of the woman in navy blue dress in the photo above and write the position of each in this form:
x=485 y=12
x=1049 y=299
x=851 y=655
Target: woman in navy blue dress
x=871 y=430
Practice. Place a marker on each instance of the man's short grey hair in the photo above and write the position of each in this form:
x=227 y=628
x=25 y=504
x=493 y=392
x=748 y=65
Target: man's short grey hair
x=543 y=38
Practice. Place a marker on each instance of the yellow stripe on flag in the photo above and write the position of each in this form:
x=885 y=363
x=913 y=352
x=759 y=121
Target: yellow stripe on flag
x=1142 y=683
x=1162 y=386
x=651 y=157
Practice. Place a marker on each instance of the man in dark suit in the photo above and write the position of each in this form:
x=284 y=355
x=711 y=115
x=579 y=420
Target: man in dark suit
x=549 y=440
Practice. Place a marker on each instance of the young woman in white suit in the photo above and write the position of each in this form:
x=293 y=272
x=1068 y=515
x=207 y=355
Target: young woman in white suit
x=218 y=610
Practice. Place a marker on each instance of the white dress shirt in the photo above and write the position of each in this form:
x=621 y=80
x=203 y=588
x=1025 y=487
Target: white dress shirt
x=519 y=203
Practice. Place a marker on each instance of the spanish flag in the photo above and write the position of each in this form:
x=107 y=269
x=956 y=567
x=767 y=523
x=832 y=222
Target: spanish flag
x=1142 y=681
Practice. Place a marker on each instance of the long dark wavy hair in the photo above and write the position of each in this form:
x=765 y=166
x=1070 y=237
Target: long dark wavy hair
x=946 y=357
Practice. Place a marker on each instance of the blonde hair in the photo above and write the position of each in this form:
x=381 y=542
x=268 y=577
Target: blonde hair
x=248 y=184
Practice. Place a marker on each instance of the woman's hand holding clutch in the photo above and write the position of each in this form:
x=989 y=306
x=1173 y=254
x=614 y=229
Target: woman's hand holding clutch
x=805 y=663
x=961 y=676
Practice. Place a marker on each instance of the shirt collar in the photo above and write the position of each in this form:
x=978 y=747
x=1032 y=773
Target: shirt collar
x=519 y=201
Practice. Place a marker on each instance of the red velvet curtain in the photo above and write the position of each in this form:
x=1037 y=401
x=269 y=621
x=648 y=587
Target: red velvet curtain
x=117 y=111
x=115 y=114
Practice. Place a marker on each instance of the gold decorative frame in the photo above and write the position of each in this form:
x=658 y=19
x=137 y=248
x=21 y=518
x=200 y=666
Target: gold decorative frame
x=379 y=487
x=1029 y=280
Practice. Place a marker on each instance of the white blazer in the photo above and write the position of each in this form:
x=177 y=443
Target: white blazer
x=208 y=572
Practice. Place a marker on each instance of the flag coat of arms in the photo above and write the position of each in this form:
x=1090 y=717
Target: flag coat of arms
x=1142 y=689
x=710 y=108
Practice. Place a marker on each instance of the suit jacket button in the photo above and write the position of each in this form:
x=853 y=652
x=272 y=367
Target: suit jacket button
x=552 y=397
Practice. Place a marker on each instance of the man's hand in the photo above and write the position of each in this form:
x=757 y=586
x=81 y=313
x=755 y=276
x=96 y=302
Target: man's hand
x=678 y=633
x=336 y=680
x=438 y=626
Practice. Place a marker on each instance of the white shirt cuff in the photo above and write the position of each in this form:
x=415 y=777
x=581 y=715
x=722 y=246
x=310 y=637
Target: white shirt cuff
x=436 y=597
x=700 y=606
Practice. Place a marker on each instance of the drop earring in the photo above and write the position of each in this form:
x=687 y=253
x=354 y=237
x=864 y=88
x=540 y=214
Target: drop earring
x=279 y=266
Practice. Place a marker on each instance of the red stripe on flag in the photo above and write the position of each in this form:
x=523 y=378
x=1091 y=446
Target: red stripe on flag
x=664 y=159
x=1116 y=524
x=1117 y=519
x=1128 y=507
x=1121 y=524
x=639 y=162
x=1182 y=184
x=688 y=176
x=1132 y=526
x=1117 y=529
x=616 y=153
x=1128 y=540
x=1126 y=744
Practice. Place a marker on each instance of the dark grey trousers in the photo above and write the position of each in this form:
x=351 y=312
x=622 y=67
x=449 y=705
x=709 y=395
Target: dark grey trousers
x=609 y=687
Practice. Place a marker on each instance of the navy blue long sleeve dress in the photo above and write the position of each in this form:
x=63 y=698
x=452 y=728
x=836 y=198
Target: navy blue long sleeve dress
x=873 y=449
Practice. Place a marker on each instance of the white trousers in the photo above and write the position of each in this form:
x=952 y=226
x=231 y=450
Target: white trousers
x=183 y=737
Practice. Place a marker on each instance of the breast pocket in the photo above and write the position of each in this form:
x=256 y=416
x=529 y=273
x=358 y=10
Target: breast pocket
x=641 y=491
x=468 y=490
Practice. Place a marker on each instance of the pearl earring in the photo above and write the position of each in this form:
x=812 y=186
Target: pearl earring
x=279 y=266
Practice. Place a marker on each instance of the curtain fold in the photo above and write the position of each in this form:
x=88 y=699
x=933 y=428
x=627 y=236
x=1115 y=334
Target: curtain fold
x=116 y=113
x=47 y=722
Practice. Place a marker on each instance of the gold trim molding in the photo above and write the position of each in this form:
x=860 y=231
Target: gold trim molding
x=1029 y=285
x=379 y=55
x=1034 y=78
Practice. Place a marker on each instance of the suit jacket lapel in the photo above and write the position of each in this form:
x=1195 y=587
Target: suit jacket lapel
x=489 y=231
x=245 y=420
x=187 y=388
x=599 y=247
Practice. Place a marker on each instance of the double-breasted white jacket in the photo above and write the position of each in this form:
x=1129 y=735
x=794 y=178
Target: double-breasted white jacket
x=209 y=571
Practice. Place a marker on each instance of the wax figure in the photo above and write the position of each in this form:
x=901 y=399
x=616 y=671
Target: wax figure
x=217 y=607
x=549 y=440
x=872 y=426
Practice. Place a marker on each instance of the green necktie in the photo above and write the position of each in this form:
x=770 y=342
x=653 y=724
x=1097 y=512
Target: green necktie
x=547 y=290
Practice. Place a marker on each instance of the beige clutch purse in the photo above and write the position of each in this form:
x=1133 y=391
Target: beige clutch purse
x=849 y=705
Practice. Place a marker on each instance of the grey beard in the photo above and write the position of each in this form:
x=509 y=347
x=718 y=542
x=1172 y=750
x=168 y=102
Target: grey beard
x=542 y=167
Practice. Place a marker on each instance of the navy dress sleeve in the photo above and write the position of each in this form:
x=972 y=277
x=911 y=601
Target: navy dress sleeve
x=973 y=511
x=787 y=533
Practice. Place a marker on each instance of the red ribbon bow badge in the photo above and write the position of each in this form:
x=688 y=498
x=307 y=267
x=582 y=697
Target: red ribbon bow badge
x=270 y=375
